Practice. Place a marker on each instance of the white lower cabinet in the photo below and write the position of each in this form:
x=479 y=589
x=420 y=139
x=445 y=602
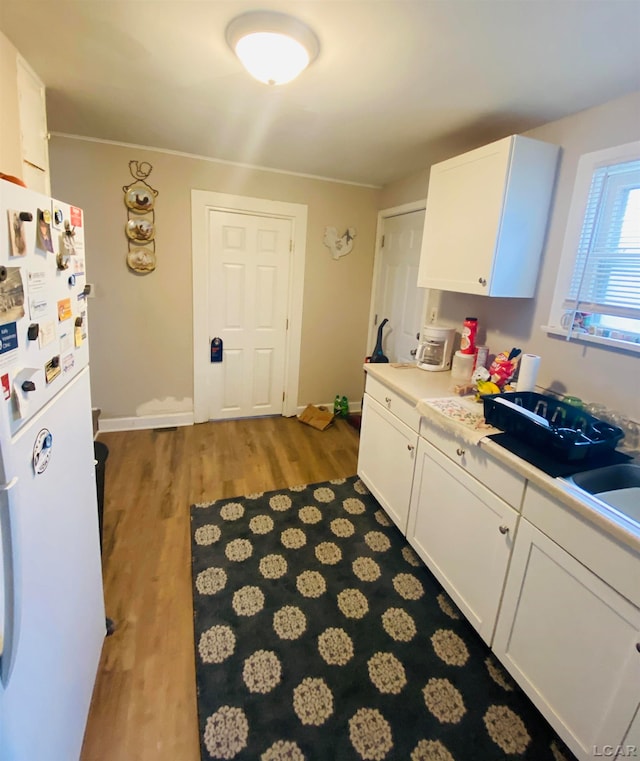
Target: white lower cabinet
x=464 y=533
x=386 y=459
x=572 y=643
x=556 y=598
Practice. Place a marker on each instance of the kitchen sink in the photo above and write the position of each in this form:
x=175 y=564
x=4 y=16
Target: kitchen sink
x=616 y=485
x=622 y=476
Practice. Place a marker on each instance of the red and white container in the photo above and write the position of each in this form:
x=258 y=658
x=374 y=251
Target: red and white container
x=468 y=340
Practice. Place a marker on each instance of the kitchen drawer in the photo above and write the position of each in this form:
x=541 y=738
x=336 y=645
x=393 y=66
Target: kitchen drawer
x=394 y=402
x=493 y=474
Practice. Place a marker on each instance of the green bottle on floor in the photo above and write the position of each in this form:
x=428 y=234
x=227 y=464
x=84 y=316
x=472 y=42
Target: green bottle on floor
x=336 y=405
x=344 y=406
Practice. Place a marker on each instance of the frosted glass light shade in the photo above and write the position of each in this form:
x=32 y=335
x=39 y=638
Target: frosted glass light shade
x=273 y=48
x=272 y=58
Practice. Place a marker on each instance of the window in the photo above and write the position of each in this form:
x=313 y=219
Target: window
x=597 y=295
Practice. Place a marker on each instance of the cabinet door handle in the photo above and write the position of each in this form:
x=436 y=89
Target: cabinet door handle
x=504 y=529
x=482 y=281
x=460 y=452
x=387 y=400
x=410 y=447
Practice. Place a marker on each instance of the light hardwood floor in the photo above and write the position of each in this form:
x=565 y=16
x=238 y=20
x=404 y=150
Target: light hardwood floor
x=144 y=703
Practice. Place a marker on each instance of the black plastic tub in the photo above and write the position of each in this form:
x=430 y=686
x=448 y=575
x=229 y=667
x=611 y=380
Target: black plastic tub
x=561 y=430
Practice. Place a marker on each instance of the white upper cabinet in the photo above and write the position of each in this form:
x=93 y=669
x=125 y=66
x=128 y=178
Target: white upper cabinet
x=486 y=218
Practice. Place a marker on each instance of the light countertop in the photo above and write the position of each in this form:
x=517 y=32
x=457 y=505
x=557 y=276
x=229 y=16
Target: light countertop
x=411 y=382
x=414 y=384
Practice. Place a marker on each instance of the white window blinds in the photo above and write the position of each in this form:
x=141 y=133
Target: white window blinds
x=604 y=294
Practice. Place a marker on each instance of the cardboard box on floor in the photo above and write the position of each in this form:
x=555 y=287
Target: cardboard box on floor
x=316 y=417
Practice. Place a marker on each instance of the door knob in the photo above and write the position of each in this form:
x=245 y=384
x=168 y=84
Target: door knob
x=504 y=529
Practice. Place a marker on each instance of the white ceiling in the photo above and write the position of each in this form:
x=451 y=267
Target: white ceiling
x=398 y=84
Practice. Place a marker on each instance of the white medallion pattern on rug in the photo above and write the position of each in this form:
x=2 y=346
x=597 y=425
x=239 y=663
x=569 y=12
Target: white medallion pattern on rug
x=261 y=524
x=313 y=701
x=289 y=622
x=211 y=580
x=273 y=566
x=321 y=636
x=208 y=534
x=232 y=511
x=217 y=644
x=335 y=646
x=248 y=601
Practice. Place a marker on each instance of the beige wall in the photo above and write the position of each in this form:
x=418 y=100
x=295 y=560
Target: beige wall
x=10 y=148
x=141 y=325
x=141 y=351
x=591 y=372
x=408 y=189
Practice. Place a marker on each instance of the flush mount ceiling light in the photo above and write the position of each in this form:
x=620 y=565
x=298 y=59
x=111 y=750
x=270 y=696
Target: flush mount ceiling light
x=273 y=47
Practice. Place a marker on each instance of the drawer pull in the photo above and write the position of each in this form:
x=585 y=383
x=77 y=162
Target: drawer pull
x=460 y=452
x=387 y=399
x=410 y=447
x=504 y=529
x=482 y=281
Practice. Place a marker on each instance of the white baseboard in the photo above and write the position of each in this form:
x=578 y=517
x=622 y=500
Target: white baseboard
x=173 y=419
x=169 y=420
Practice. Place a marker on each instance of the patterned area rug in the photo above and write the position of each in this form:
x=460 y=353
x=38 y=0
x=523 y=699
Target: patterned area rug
x=321 y=635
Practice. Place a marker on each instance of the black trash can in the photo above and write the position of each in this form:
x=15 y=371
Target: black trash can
x=100 y=453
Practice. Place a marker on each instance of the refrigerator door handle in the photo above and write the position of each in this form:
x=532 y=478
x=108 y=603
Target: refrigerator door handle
x=10 y=570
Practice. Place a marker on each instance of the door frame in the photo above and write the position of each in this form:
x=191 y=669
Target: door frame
x=203 y=201
x=384 y=214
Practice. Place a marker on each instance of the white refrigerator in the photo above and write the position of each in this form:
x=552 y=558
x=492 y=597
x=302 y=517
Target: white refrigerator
x=52 y=619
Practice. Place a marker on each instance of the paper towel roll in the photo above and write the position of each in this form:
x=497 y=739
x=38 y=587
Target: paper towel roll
x=529 y=366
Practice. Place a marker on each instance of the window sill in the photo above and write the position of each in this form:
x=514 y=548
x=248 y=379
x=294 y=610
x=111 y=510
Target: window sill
x=587 y=338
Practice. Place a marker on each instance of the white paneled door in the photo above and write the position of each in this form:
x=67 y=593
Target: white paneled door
x=249 y=258
x=248 y=261
x=397 y=296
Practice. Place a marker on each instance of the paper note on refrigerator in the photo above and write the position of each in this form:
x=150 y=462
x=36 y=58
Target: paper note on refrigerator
x=64 y=309
x=11 y=295
x=47 y=333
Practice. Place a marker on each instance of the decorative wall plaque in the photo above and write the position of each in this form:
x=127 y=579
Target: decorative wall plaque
x=140 y=198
